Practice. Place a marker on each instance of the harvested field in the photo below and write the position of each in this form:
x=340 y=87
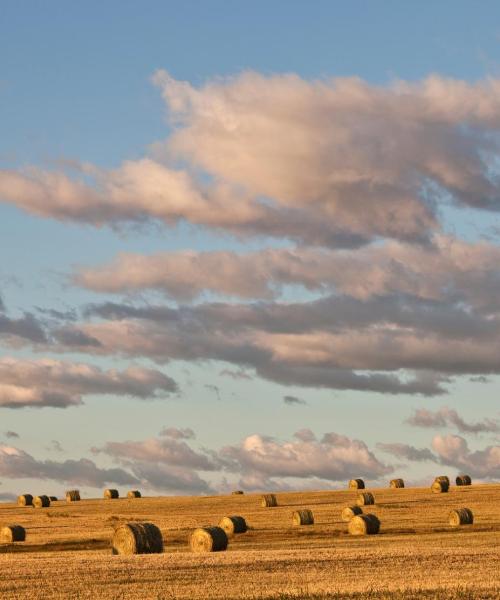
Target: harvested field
x=417 y=554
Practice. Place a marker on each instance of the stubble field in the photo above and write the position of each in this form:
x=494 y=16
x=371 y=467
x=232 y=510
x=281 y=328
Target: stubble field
x=416 y=554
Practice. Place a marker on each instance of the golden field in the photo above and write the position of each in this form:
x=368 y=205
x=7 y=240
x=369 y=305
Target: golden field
x=417 y=554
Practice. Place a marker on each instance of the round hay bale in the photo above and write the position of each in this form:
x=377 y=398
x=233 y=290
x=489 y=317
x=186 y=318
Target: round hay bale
x=365 y=498
x=356 y=484
x=72 y=495
x=53 y=498
x=208 y=539
x=137 y=538
x=237 y=492
x=303 y=517
x=366 y=524
x=134 y=494
x=440 y=486
x=268 y=500
x=463 y=480
x=12 y=533
x=41 y=502
x=232 y=525
x=111 y=494
x=461 y=516
x=397 y=483
x=444 y=478
x=25 y=500
x=349 y=512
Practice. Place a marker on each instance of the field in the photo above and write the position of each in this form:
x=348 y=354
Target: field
x=416 y=555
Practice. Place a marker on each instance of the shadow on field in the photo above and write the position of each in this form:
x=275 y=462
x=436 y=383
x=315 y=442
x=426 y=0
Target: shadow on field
x=71 y=545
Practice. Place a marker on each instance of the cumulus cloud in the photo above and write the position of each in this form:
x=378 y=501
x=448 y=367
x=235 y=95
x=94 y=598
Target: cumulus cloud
x=308 y=160
x=11 y=434
x=47 y=382
x=454 y=451
x=449 y=417
x=334 y=458
x=293 y=401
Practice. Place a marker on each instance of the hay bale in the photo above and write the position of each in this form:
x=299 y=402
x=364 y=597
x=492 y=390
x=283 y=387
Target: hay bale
x=111 y=494
x=439 y=486
x=366 y=524
x=232 y=525
x=134 y=494
x=268 y=500
x=137 y=538
x=41 y=502
x=25 y=500
x=303 y=517
x=397 y=483
x=208 y=539
x=365 y=498
x=463 y=480
x=444 y=478
x=356 y=484
x=72 y=495
x=349 y=512
x=12 y=533
x=461 y=516
x=237 y=492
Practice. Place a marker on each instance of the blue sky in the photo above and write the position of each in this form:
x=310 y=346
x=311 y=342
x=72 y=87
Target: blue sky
x=76 y=85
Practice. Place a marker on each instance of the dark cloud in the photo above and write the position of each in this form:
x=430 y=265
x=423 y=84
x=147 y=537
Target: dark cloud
x=11 y=435
x=178 y=434
x=293 y=400
x=408 y=452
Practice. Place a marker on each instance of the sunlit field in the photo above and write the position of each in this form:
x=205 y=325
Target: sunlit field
x=67 y=552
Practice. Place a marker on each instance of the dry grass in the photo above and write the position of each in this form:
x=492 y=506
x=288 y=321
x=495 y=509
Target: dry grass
x=416 y=554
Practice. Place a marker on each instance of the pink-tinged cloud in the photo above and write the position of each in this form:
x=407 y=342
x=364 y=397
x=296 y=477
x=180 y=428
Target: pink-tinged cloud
x=51 y=383
x=448 y=417
x=454 y=451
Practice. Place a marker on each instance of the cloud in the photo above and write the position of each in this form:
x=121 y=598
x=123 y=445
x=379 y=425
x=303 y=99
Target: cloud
x=26 y=327
x=46 y=382
x=449 y=417
x=408 y=452
x=285 y=157
x=55 y=446
x=11 y=435
x=453 y=451
x=293 y=400
x=17 y=464
x=335 y=458
x=178 y=434
x=240 y=374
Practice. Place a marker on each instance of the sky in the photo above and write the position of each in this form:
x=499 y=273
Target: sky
x=248 y=245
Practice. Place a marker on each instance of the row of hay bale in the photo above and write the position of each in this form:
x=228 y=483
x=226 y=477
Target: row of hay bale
x=71 y=496
x=461 y=480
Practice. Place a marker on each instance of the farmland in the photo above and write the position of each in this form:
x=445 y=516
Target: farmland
x=415 y=555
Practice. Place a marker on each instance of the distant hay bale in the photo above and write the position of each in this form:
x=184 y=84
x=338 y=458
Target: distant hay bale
x=268 y=500
x=303 y=517
x=463 y=480
x=444 y=478
x=41 y=502
x=12 y=533
x=349 y=512
x=439 y=486
x=134 y=494
x=365 y=499
x=237 y=492
x=53 y=498
x=111 y=494
x=356 y=484
x=208 y=539
x=25 y=500
x=397 y=483
x=365 y=524
x=137 y=538
x=72 y=495
x=461 y=516
x=232 y=525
